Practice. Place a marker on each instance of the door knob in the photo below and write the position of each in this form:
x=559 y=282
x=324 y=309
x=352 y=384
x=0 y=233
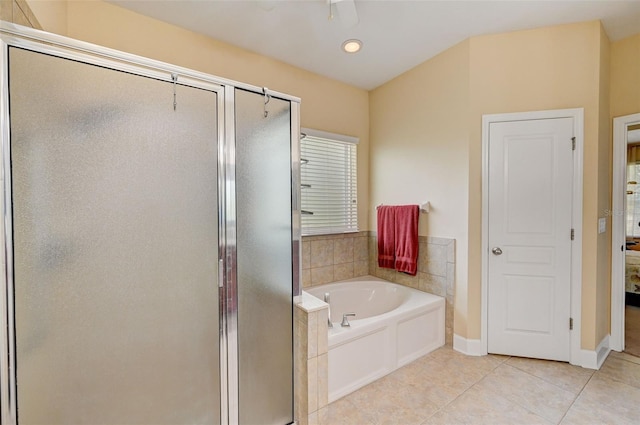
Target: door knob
x=496 y=251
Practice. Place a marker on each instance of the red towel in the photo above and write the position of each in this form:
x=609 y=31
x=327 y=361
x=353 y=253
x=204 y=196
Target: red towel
x=406 y=238
x=386 y=237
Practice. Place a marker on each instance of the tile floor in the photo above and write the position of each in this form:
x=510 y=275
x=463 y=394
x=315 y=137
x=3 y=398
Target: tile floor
x=446 y=387
x=632 y=330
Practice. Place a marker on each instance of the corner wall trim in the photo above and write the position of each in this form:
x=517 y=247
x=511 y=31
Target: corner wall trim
x=470 y=347
x=594 y=359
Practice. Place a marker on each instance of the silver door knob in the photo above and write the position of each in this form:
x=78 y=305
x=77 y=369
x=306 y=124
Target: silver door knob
x=496 y=251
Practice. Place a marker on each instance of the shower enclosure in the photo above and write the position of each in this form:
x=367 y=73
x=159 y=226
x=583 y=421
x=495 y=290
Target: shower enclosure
x=149 y=238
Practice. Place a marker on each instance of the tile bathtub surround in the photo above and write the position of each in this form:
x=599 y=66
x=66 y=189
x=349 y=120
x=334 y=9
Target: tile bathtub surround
x=311 y=358
x=330 y=258
x=436 y=272
x=446 y=387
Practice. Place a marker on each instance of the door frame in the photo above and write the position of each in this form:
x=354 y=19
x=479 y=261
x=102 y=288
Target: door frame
x=576 y=216
x=618 y=228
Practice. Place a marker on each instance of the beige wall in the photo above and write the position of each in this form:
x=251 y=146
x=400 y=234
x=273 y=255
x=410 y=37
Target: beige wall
x=426 y=138
x=52 y=15
x=625 y=76
x=419 y=140
x=327 y=104
x=18 y=12
x=548 y=68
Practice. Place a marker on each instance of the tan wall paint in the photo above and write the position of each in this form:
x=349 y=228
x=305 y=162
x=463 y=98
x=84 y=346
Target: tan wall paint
x=547 y=68
x=415 y=128
x=419 y=142
x=18 y=12
x=52 y=15
x=327 y=104
x=625 y=76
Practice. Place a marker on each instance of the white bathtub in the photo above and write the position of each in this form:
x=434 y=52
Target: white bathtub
x=393 y=326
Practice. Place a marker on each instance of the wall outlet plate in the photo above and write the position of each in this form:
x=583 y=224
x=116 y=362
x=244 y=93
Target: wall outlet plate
x=602 y=225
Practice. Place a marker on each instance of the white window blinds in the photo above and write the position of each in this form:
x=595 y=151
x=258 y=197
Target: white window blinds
x=329 y=184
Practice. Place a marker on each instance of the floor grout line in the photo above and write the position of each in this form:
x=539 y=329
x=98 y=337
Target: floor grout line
x=577 y=397
x=480 y=372
x=477 y=373
x=504 y=363
x=463 y=392
x=626 y=359
x=515 y=402
x=550 y=382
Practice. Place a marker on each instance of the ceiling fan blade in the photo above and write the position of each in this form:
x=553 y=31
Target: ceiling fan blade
x=347 y=12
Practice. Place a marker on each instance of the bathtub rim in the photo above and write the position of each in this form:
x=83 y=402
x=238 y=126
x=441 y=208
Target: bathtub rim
x=418 y=302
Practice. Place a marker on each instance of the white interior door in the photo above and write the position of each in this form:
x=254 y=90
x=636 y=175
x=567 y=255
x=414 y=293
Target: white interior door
x=530 y=201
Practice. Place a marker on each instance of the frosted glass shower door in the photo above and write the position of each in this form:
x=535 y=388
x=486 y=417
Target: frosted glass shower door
x=115 y=242
x=264 y=253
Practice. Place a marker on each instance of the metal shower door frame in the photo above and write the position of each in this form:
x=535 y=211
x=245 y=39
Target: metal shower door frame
x=12 y=35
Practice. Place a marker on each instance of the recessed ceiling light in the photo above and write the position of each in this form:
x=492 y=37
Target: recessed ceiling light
x=352 y=46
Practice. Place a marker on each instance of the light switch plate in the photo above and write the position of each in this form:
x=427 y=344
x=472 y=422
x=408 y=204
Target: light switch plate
x=602 y=225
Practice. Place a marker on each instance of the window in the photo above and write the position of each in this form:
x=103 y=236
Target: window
x=329 y=184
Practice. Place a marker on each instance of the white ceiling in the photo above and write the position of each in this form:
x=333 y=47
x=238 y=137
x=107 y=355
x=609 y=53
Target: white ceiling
x=396 y=34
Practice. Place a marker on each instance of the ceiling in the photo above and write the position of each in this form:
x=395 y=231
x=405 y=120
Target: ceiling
x=396 y=34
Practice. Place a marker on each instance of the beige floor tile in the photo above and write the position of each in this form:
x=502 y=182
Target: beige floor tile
x=440 y=385
x=528 y=391
x=370 y=395
x=482 y=407
x=621 y=370
x=342 y=412
x=605 y=401
x=564 y=375
x=434 y=369
x=625 y=356
x=390 y=401
x=448 y=358
x=493 y=390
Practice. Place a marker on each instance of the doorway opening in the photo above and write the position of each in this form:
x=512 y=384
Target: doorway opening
x=625 y=262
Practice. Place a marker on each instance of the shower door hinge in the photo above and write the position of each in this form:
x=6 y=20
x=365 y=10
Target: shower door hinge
x=570 y=323
x=573 y=234
x=573 y=143
x=174 y=78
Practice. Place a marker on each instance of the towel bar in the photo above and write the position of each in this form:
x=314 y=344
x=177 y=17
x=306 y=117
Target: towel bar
x=424 y=208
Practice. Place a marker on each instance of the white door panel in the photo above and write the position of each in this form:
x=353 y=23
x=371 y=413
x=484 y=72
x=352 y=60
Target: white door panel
x=530 y=192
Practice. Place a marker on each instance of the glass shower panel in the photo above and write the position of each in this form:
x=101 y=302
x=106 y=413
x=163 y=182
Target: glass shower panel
x=115 y=246
x=264 y=276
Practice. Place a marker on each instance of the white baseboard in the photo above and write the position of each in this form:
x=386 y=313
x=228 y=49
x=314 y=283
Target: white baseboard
x=594 y=359
x=470 y=347
x=588 y=359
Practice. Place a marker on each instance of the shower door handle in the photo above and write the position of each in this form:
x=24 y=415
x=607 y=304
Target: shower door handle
x=220 y=273
x=496 y=251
